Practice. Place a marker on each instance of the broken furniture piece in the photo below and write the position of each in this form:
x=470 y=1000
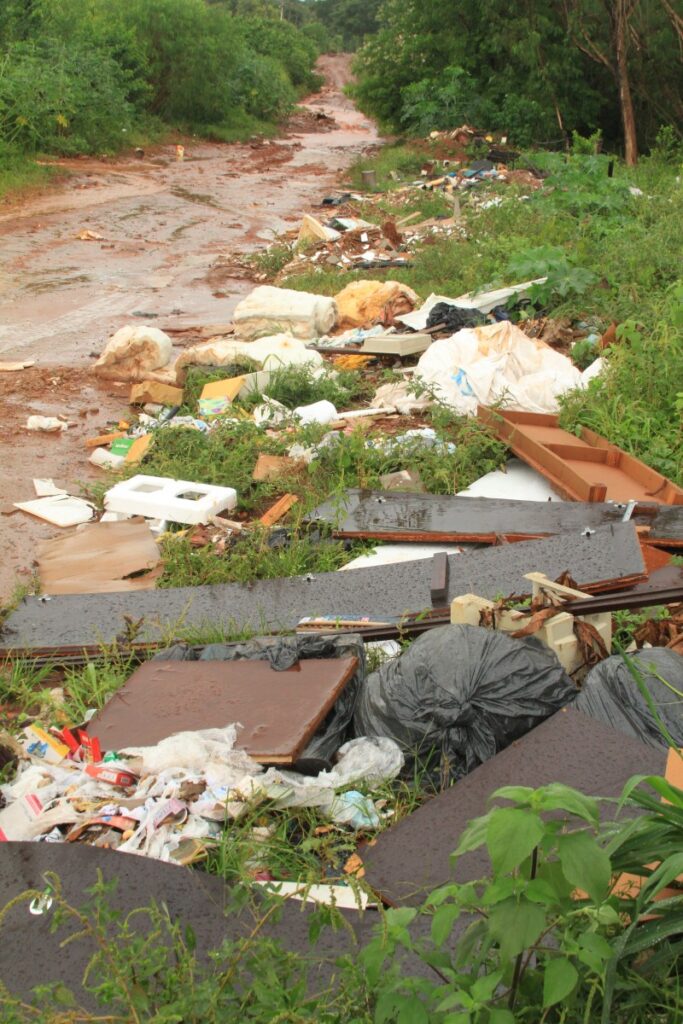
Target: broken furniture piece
x=278 y=712
x=556 y=631
x=583 y=468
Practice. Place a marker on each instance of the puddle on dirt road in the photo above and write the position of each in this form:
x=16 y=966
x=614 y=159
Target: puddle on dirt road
x=164 y=223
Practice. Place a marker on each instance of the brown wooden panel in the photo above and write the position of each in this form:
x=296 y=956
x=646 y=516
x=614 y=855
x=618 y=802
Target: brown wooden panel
x=540 y=442
x=278 y=711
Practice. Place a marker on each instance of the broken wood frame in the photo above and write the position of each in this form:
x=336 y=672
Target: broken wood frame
x=586 y=467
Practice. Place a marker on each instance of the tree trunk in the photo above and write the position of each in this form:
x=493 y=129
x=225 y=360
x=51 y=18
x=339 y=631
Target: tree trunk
x=625 y=99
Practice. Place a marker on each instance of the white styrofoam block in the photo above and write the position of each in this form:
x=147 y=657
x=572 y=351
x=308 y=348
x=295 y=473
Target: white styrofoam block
x=517 y=481
x=178 y=501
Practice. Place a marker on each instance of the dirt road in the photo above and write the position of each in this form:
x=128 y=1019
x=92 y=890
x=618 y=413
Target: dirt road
x=163 y=224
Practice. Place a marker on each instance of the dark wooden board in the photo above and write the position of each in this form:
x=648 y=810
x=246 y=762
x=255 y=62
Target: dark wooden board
x=193 y=898
x=278 y=712
x=412 y=858
x=608 y=559
x=406 y=516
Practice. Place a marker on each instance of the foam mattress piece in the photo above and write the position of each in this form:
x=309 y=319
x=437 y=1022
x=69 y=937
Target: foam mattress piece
x=413 y=857
x=607 y=559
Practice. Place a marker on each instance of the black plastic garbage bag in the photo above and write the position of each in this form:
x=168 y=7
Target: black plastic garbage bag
x=454 y=318
x=611 y=694
x=460 y=694
x=282 y=653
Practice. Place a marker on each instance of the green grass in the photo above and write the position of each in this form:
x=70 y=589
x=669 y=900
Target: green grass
x=19 y=172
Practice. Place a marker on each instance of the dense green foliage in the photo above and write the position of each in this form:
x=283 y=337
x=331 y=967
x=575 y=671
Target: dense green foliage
x=87 y=75
x=536 y=71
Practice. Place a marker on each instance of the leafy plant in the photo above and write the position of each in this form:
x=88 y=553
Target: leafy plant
x=563 y=277
x=555 y=934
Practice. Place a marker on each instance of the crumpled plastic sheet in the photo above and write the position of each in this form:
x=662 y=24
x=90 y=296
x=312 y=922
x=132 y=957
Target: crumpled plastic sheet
x=497 y=363
x=611 y=694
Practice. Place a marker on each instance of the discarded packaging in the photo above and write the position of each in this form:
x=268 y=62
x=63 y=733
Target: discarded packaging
x=49 y=424
x=59 y=509
x=100 y=558
x=178 y=501
x=155 y=391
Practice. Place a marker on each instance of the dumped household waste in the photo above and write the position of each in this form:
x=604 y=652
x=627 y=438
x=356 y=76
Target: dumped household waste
x=366 y=303
x=134 y=353
x=496 y=363
x=268 y=311
x=638 y=694
x=460 y=694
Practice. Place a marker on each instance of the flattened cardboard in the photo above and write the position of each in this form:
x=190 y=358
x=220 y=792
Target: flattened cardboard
x=99 y=559
x=278 y=711
x=59 y=509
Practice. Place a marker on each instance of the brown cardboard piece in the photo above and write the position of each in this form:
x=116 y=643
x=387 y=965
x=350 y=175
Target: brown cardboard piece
x=278 y=712
x=268 y=467
x=99 y=559
x=156 y=392
x=138 y=449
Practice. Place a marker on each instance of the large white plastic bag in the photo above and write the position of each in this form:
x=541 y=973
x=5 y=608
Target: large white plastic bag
x=497 y=362
x=267 y=311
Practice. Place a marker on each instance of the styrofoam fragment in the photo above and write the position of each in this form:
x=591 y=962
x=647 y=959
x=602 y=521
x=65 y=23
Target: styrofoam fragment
x=158 y=497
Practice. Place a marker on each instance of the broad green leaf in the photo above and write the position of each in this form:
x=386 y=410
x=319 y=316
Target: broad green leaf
x=412 y=1011
x=500 y=889
x=594 y=950
x=511 y=837
x=559 y=979
x=519 y=794
x=461 y=998
x=516 y=925
x=474 y=835
x=538 y=890
x=669 y=869
x=564 y=798
x=442 y=923
x=585 y=864
x=485 y=986
x=501 y=1017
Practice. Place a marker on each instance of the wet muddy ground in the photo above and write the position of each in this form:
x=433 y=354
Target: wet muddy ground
x=164 y=225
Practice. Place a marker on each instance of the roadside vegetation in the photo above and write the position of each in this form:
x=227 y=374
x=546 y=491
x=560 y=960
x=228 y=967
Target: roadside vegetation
x=97 y=77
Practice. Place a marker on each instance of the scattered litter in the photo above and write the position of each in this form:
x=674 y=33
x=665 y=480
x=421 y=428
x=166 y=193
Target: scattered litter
x=59 y=509
x=218 y=395
x=319 y=412
x=155 y=391
x=105 y=459
x=48 y=424
x=516 y=480
x=312 y=230
x=44 y=488
x=341 y=896
x=484 y=302
x=15 y=367
x=89 y=236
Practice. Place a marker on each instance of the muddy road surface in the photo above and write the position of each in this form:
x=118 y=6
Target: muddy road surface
x=164 y=227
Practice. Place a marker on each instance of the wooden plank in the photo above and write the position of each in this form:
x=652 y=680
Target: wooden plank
x=583 y=468
x=278 y=712
x=608 y=559
x=278 y=510
x=438 y=590
x=407 y=516
x=414 y=857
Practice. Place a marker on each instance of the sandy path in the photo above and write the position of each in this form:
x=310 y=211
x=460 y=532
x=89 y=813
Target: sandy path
x=163 y=223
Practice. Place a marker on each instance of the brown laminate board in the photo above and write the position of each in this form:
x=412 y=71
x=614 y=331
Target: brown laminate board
x=194 y=899
x=407 y=516
x=413 y=857
x=278 y=711
x=586 y=467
